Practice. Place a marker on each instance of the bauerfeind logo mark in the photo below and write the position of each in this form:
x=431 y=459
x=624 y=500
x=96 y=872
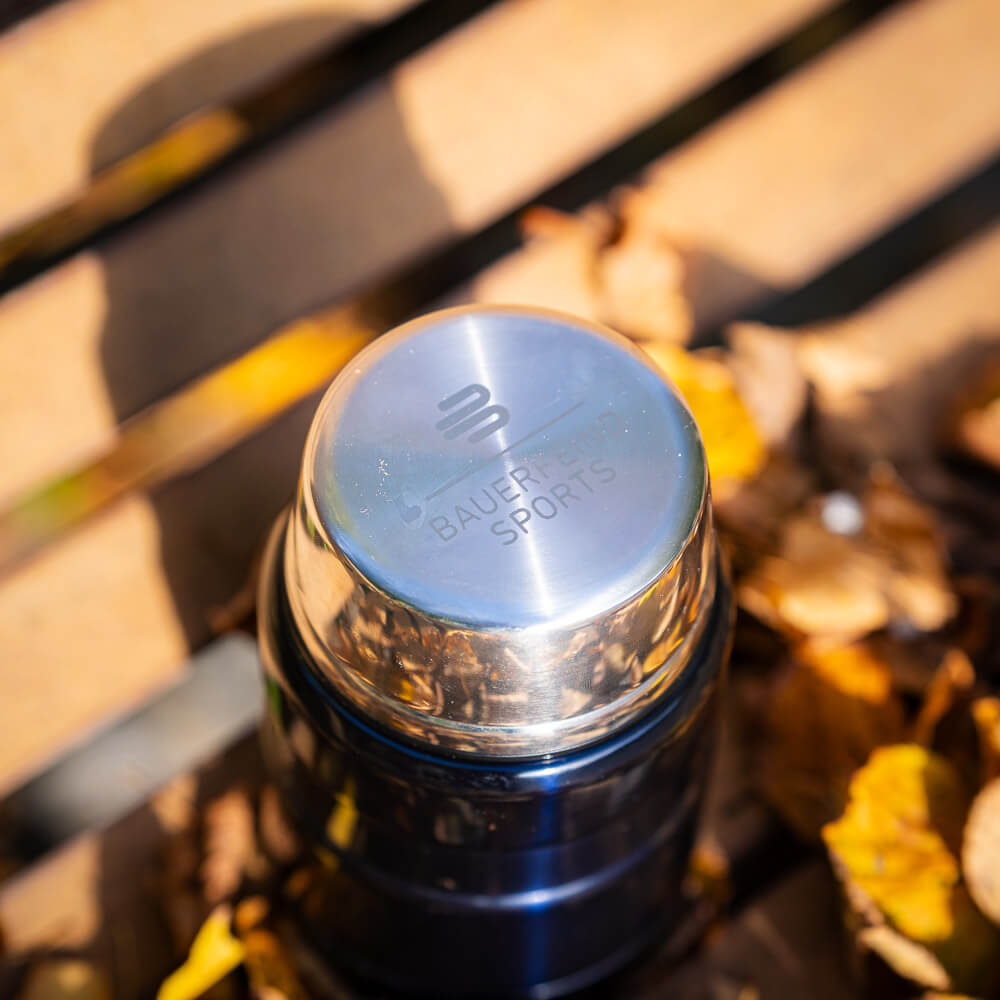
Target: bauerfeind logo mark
x=475 y=411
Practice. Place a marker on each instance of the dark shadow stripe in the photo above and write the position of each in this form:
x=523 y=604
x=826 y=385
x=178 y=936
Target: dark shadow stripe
x=116 y=770
x=269 y=112
x=14 y=11
x=455 y=264
x=966 y=209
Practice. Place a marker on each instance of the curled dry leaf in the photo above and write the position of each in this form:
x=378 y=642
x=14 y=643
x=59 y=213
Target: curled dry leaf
x=641 y=276
x=911 y=960
x=986 y=716
x=230 y=844
x=214 y=954
x=831 y=706
x=895 y=849
x=908 y=532
x=950 y=686
x=735 y=449
x=641 y=289
x=65 y=979
x=824 y=583
x=981 y=851
x=819 y=583
x=975 y=427
x=765 y=365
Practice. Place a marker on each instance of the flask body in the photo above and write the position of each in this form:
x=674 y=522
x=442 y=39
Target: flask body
x=447 y=875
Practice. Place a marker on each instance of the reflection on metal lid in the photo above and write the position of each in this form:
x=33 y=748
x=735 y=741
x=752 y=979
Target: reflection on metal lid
x=502 y=543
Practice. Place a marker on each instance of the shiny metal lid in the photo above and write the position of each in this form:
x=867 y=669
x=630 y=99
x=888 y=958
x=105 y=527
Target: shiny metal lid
x=502 y=543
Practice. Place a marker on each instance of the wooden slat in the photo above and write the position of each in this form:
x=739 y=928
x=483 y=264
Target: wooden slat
x=465 y=130
x=459 y=134
x=776 y=192
x=87 y=81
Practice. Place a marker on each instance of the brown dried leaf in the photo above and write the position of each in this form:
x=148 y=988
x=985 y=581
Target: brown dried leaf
x=830 y=708
x=986 y=716
x=65 y=979
x=975 y=428
x=911 y=960
x=641 y=288
x=895 y=849
x=951 y=685
x=981 y=851
x=230 y=844
x=764 y=361
x=818 y=583
x=846 y=584
x=641 y=276
x=918 y=585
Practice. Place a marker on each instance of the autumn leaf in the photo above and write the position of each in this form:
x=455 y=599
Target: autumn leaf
x=889 y=568
x=975 y=426
x=214 y=954
x=831 y=706
x=735 y=449
x=896 y=849
x=981 y=850
x=951 y=685
x=986 y=716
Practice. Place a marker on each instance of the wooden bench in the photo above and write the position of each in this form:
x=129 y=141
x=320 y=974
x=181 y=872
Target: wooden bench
x=828 y=166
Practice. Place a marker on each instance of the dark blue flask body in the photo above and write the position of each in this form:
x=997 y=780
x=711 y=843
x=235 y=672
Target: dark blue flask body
x=448 y=875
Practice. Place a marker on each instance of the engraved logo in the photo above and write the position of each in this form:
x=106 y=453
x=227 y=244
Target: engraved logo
x=470 y=410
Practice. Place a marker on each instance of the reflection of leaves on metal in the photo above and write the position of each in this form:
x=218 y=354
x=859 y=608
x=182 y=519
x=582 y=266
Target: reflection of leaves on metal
x=214 y=954
x=830 y=708
x=895 y=849
x=981 y=850
x=735 y=450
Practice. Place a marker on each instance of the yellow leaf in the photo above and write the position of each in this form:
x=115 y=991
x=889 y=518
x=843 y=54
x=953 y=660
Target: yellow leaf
x=735 y=448
x=895 y=848
x=214 y=954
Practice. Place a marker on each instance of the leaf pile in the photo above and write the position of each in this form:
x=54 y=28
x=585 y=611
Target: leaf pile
x=867 y=576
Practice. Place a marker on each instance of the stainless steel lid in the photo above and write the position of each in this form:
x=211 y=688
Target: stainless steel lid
x=502 y=543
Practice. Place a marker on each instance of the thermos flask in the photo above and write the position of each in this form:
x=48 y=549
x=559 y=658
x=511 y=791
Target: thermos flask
x=494 y=628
